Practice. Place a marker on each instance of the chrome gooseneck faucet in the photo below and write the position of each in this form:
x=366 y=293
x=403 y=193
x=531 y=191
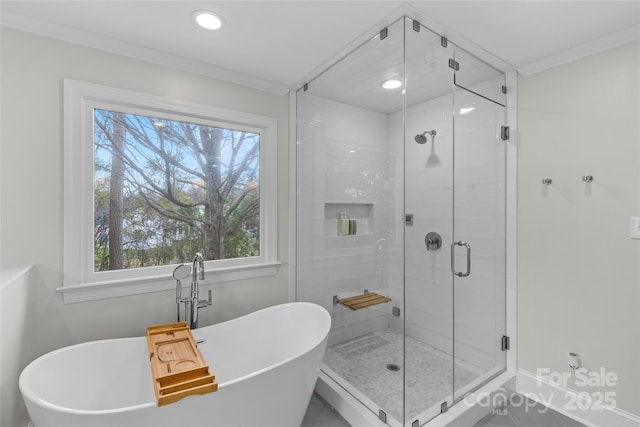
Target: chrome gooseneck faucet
x=191 y=304
x=195 y=303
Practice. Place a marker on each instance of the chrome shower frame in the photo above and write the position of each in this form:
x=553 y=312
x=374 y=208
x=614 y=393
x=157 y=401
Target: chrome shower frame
x=327 y=385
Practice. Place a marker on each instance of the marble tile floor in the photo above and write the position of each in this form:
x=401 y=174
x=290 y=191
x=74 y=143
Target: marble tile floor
x=363 y=361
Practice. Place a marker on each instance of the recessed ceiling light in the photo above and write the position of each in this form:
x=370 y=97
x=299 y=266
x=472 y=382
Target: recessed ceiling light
x=392 y=84
x=207 y=19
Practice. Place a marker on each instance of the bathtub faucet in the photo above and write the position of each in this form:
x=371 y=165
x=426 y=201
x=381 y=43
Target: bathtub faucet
x=196 y=303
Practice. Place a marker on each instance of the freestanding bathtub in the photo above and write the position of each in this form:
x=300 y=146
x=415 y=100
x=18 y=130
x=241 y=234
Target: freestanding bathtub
x=266 y=364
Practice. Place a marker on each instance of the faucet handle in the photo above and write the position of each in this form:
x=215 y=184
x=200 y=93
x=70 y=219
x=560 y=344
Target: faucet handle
x=206 y=302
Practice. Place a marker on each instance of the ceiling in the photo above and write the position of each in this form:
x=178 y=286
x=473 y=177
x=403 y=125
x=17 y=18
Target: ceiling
x=278 y=45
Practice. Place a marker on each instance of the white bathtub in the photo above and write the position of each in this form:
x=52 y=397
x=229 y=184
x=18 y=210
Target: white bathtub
x=266 y=364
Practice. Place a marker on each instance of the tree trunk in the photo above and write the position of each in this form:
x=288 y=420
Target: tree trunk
x=214 y=218
x=116 y=194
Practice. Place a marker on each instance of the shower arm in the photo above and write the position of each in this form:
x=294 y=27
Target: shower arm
x=422 y=139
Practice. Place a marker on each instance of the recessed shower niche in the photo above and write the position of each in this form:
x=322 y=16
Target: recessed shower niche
x=362 y=213
x=431 y=147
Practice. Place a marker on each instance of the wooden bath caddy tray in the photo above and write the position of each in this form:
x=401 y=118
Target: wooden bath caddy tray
x=177 y=366
x=364 y=300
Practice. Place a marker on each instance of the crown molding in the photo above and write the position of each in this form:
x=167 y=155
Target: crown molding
x=85 y=38
x=573 y=54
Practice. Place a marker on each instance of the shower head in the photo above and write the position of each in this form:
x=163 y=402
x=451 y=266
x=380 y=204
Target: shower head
x=422 y=139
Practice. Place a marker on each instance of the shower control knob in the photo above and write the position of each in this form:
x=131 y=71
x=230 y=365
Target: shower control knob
x=433 y=241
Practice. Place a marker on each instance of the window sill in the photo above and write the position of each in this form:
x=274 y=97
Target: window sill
x=118 y=288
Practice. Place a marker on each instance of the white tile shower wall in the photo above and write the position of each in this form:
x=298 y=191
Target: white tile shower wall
x=345 y=160
x=429 y=196
x=348 y=158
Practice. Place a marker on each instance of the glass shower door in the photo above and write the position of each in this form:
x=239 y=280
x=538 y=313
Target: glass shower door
x=429 y=151
x=479 y=240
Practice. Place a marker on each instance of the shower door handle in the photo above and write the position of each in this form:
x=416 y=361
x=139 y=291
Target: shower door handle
x=453 y=267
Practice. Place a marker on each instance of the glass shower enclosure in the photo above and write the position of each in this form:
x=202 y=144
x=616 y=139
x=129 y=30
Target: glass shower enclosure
x=415 y=277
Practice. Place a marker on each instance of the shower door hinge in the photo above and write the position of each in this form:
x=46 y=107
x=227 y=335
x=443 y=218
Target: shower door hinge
x=384 y=33
x=416 y=26
x=415 y=423
x=408 y=219
x=444 y=407
x=504 y=133
x=454 y=64
x=506 y=343
x=382 y=415
x=504 y=89
x=444 y=42
x=305 y=87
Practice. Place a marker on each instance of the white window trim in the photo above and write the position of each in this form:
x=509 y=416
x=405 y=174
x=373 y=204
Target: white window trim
x=80 y=283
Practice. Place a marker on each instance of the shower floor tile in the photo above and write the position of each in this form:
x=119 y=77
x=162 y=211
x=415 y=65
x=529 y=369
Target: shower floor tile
x=363 y=361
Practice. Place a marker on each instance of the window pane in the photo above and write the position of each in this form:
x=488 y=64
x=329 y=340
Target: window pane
x=164 y=190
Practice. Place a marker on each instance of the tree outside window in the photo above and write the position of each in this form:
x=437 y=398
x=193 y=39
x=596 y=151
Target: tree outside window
x=164 y=190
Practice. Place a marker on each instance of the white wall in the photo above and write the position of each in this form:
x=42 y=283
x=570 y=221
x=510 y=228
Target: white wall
x=15 y=340
x=32 y=71
x=344 y=164
x=578 y=270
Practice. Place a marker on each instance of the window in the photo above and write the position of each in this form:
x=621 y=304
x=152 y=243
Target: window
x=150 y=181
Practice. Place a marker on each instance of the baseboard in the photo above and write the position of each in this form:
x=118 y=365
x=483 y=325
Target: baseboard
x=579 y=406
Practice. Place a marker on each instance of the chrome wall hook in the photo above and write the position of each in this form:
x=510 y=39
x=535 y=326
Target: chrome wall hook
x=587 y=178
x=547 y=181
